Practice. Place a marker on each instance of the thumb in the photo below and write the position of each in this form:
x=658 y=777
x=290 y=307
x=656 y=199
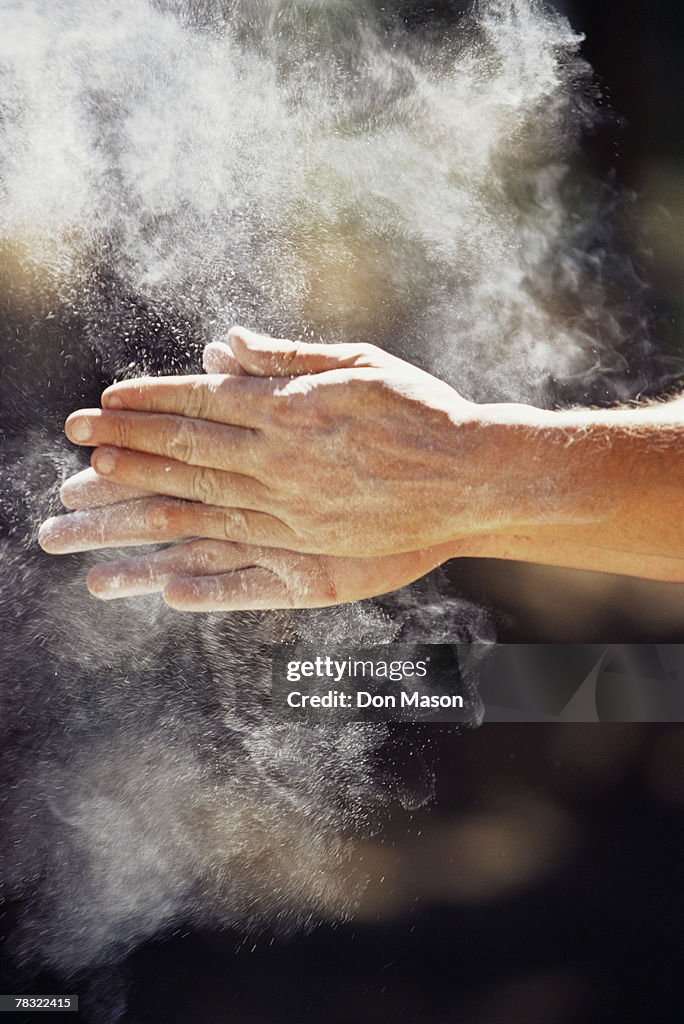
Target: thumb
x=262 y=356
x=218 y=358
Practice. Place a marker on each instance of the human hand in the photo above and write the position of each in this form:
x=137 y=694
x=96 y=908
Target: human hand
x=370 y=456
x=206 y=576
x=539 y=507
x=203 y=575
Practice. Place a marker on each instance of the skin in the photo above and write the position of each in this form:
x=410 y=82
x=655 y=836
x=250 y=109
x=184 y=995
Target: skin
x=309 y=475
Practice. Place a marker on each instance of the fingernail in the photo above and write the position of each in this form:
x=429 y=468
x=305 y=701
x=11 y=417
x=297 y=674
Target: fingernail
x=52 y=534
x=104 y=462
x=45 y=531
x=81 y=430
x=112 y=402
x=105 y=582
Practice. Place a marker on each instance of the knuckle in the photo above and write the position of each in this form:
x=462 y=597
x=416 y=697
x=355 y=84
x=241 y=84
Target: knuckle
x=234 y=524
x=277 y=412
x=207 y=548
x=123 y=432
x=183 y=442
x=197 y=401
x=327 y=587
x=286 y=355
x=291 y=353
x=157 y=514
x=209 y=553
x=305 y=413
x=285 y=413
x=204 y=486
x=368 y=354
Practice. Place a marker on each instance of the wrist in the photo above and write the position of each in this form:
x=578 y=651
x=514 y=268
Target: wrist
x=523 y=469
x=509 y=471
x=585 y=476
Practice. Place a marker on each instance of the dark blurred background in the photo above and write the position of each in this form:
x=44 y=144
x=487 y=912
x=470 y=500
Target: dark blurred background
x=542 y=887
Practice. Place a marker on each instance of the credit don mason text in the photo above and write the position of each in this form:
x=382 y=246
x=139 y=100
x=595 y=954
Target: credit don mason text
x=367 y=685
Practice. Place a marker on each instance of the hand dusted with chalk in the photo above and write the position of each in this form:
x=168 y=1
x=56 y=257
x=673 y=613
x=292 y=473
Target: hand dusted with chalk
x=347 y=451
x=362 y=453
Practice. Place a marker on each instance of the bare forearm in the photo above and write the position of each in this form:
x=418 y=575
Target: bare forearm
x=591 y=489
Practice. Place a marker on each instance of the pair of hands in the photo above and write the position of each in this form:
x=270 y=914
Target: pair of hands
x=307 y=475
x=310 y=475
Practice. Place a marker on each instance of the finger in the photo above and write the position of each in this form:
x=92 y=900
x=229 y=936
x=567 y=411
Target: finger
x=241 y=401
x=144 y=521
x=302 y=581
x=88 y=490
x=180 y=480
x=157 y=520
x=177 y=437
x=149 y=573
x=274 y=357
x=206 y=575
x=218 y=358
x=239 y=591
x=272 y=578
